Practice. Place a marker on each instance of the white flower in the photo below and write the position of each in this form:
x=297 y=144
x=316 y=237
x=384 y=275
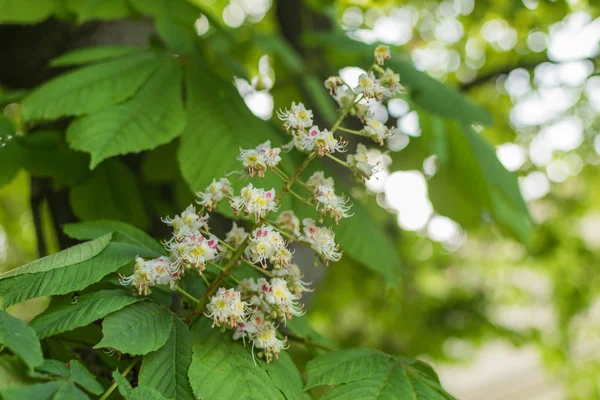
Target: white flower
x=328 y=203
x=254 y=201
x=318 y=179
x=214 y=193
x=382 y=52
x=369 y=86
x=243 y=86
x=194 y=250
x=187 y=223
x=322 y=240
x=149 y=273
x=289 y=221
x=257 y=160
x=376 y=130
x=323 y=141
x=390 y=82
x=332 y=84
x=236 y=235
x=297 y=117
x=360 y=161
x=265 y=337
x=283 y=298
x=344 y=97
x=266 y=244
x=226 y=308
x=293 y=276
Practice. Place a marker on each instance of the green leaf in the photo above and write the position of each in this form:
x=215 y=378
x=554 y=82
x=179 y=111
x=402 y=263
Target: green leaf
x=90 y=88
x=68 y=279
x=145 y=393
x=53 y=368
x=84 y=378
x=369 y=374
x=123 y=384
x=127 y=233
x=25 y=12
x=286 y=377
x=154 y=116
x=110 y=192
x=68 y=391
x=37 y=391
x=20 y=339
x=94 y=54
x=166 y=368
x=70 y=256
x=137 y=329
x=45 y=154
x=87 y=10
x=10 y=162
x=85 y=310
x=218 y=124
x=224 y=369
x=363 y=239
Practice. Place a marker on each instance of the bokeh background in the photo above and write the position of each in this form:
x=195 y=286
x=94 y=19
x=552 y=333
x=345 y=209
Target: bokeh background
x=501 y=313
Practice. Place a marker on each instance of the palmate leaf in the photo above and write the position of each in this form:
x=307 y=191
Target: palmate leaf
x=110 y=192
x=123 y=384
x=20 y=339
x=145 y=393
x=90 y=88
x=166 y=369
x=90 y=55
x=137 y=329
x=223 y=369
x=87 y=230
x=154 y=116
x=87 y=309
x=70 y=256
x=371 y=375
x=84 y=378
x=218 y=124
x=68 y=391
x=70 y=278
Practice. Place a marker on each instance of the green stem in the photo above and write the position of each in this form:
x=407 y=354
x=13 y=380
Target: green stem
x=337 y=160
x=186 y=294
x=352 y=131
x=307 y=342
x=126 y=371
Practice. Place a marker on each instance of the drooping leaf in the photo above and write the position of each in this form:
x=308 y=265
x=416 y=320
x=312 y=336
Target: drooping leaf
x=154 y=116
x=25 y=12
x=68 y=279
x=37 y=391
x=111 y=192
x=218 y=124
x=84 y=378
x=137 y=329
x=89 y=55
x=224 y=369
x=86 y=10
x=369 y=374
x=90 y=88
x=87 y=309
x=45 y=154
x=20 y=339
x=128 y=233
x=166 y=368
x=64 y=258
x=363 y=239
x=123 y=384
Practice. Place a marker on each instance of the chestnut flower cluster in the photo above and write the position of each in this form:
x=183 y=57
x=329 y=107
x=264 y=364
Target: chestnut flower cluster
x=255 y=309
